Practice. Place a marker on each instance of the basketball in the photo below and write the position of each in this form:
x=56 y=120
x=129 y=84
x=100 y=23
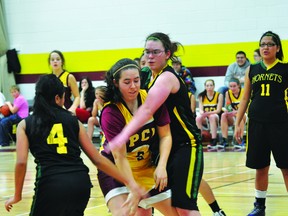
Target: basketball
x=5 y=110
x=206 y=136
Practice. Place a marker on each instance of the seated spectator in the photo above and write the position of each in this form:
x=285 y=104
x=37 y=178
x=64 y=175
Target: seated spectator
x=236 y=70
x=97 y=107
x=185 y=73
x=257 y=56
x=87 y=97
x=19 y=110
x=210 y=105
x=233 y=97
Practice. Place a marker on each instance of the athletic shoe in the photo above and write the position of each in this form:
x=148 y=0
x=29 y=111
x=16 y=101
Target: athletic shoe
x=212 y=144
x=240 y=146
x=222 y=145
x=259 y=210
x=219 y=213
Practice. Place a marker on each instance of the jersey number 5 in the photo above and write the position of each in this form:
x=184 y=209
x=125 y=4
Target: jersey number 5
x=265 y=90
x=56 y=136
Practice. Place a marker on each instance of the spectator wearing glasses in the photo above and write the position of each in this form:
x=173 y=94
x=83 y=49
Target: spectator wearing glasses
x=265 y=91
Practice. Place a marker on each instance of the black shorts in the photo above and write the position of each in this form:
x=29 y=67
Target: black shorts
x=185 y=169
x=264 y=138
x=64 y=194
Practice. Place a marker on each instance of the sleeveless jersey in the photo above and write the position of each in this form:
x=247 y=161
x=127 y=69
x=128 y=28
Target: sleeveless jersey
x=64 y=79
x=235 y=100
x=183 y=125
x=210 y=105
x=139 y=145
x=268 y=102
x=59 y=152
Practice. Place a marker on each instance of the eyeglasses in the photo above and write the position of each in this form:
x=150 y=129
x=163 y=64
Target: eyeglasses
x=153 y=52
x=268 y=45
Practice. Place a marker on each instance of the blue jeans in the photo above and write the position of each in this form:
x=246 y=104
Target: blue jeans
x=5 y=127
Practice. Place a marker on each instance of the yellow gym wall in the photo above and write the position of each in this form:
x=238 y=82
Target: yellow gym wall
x=205 y=55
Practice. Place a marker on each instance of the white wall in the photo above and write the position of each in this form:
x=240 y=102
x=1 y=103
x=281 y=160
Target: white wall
x=37 y=26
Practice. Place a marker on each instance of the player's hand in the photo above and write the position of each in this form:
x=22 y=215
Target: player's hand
x=9 y=203
x=160 y=177
x=237 y=134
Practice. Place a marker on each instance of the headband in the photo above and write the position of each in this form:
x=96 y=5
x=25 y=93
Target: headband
x=152 y=38
x=125 y=66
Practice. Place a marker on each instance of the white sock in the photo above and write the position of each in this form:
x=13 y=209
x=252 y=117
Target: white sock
x=260 y=194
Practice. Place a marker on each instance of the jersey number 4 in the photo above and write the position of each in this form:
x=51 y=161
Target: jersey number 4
x=56 y=137
x=265 y=90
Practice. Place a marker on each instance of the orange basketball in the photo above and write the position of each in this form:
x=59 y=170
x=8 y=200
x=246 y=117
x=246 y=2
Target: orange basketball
x=5 y=110
x=206 y=136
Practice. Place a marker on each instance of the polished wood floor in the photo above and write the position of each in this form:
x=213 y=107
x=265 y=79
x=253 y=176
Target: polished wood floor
x=232 y=183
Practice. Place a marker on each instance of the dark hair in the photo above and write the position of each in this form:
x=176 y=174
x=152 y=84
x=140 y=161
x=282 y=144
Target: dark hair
x=90 y=85
x=257 y=51
x=89 y=96
x=203 y=93
x=61 y=56
x=241 y=52
x=113 y=75
x=47 y=87
x=165 y=40
x=277 y=41
x=233 y=79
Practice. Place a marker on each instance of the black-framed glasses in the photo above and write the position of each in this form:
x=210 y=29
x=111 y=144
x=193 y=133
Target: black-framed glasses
x=155 y=52
x=267 y=44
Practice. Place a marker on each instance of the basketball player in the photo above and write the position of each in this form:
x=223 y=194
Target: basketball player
x=134 y=158
x=55 y=138
x=185 y=166
x=56 y=61
x=266 y=86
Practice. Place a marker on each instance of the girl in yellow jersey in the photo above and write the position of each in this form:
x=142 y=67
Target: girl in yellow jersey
x=210 y=105
x=133 y=159
x=57 y=62
x=233 y=97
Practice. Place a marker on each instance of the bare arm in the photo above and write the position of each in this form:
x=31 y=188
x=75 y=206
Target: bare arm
x=22 y=147
x=193 y=103
x=108 y=167
x=164 y=85
x=219 y=104
x=98 y=160
x=95 y=108
x=82 y=98
x=75 y=92
x=13 y=109
x=243 y=105
x=165 y=145
x=201 y=108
